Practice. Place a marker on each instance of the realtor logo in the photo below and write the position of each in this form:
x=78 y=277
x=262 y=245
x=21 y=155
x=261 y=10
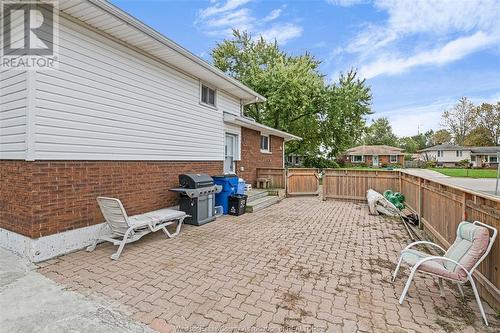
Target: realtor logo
x=29 y=34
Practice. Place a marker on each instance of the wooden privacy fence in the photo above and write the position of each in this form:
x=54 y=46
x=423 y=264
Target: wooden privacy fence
x=302 y=181
x=441 y=207
x=353 y=184
x=276 y=175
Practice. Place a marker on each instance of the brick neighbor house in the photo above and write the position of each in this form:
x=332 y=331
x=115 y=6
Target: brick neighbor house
x=125 y=113
x=376 y=156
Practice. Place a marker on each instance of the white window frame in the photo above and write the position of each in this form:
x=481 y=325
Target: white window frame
x=268 y=150
x=202 y=84
x=440 y=153
x=490 y=157
x=459 y=153
x=395 y=158
x=353 y=160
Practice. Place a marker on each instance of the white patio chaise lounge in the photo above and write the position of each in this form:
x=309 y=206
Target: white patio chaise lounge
x=472 y=245
x=127 y=229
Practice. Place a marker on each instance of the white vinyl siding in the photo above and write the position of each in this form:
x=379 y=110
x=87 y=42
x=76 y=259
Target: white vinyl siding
x=107 y=101
x=447 y=156
x=227 y=103
x=13 y=110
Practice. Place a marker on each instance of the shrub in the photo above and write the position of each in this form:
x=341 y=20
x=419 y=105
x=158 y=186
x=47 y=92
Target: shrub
x=319 y=162
x=430 y=164
x=463 y=164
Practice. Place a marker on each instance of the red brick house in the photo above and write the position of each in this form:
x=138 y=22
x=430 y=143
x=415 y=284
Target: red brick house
x=125 y=113
x=375 y=156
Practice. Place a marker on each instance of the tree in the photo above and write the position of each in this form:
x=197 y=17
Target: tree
x=460 y=120
x=328 y=117
x=343 y=120
x=488 y=118
x=408 y=144
x=441 y=136
x=479 y=136
x=380 y=133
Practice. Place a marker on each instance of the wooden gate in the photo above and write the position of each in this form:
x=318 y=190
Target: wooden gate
x=302 y=181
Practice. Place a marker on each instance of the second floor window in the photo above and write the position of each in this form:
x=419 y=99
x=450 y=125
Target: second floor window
x=207 y=95
x=264 y=143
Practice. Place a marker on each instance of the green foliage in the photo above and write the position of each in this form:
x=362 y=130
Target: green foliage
x=411 y=144
x=319 y=162
x=471 y=125
x=488 y=119
x=441 y=136
x=463 y=163
x=329 y=118
x=380 y=133
x=479 y=136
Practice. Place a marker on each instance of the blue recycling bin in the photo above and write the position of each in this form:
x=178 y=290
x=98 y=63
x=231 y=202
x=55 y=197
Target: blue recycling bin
x=229 y=185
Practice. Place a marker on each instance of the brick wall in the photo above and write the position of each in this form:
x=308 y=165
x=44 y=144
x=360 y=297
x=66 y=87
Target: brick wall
x=45 y=197
x=252 y=158
x=382 y=159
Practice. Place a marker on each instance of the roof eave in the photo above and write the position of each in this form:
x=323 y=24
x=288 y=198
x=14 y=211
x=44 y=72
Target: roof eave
x=252 y=124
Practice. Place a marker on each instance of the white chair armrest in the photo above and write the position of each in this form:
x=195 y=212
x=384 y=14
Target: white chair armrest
x=441 y=258
x=423 y=242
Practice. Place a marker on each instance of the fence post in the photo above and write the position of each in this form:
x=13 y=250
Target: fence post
x=464 y=206
x=285 y=174
x=420 y=223
x=325 y=172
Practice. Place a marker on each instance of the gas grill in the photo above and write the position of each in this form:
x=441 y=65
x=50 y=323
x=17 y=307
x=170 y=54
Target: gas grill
x=197 y=197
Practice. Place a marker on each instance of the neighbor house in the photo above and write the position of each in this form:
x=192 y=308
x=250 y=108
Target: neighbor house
x=376 y=155
x=125 y=113
x=449 y=155
x=294 y=160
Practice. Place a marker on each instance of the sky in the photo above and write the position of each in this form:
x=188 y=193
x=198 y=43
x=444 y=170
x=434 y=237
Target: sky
x=418 y=56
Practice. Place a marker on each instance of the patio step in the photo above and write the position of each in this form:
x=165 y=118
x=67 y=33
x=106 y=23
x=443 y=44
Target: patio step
x=261 y=203
x=256 y=195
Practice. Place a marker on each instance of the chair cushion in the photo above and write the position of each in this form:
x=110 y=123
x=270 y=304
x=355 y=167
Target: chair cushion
x=470 y=244
x=155 y=217
x=411 y=257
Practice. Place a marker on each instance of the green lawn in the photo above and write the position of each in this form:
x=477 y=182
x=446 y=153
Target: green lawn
x=470 y=173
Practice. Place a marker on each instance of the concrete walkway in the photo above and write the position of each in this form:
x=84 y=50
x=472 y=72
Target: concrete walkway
x=486 y=185
x=30 y=302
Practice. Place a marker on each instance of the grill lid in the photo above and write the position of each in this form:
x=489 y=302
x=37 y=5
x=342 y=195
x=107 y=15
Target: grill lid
x=195 y=180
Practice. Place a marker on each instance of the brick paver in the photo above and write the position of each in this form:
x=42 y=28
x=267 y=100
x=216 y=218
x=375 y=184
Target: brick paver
x=301 y=264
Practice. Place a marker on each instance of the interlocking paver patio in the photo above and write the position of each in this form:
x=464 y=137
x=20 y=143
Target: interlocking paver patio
x=304 y=263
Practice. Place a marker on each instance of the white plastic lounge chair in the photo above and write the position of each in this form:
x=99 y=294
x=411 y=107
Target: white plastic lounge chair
x=472 y=245
x=126 y=229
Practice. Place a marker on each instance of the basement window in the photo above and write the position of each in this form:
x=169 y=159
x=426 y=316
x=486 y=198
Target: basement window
x=208 y=95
